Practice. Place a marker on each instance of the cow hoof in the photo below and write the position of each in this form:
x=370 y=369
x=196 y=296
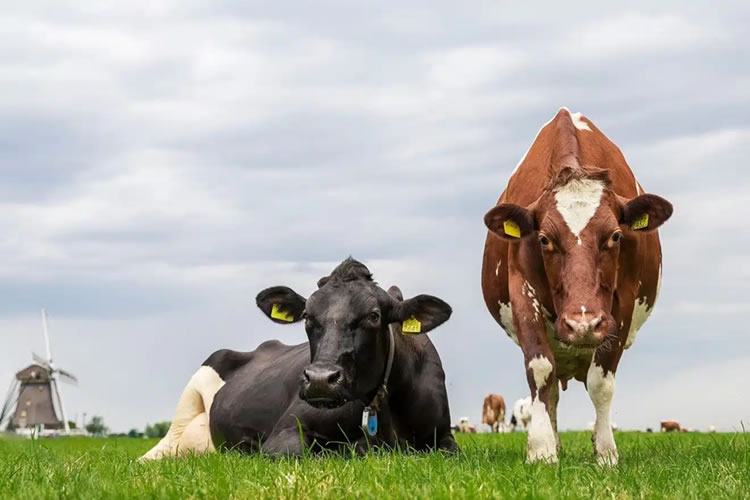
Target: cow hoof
x=607 y=459
x=537 y=458
x=541 y=452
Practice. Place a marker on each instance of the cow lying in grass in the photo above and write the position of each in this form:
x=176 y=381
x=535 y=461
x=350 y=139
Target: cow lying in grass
x=366 y=377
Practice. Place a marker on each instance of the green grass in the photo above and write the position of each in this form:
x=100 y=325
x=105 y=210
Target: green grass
x=651 y=466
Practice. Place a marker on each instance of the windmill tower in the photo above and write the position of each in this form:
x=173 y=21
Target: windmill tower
x=35 y=393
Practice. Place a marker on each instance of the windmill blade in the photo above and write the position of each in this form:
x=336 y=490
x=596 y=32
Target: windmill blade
x=56 y=388
x=46 y=335
x=67 y=377
x=10 y=402
x=40 y=361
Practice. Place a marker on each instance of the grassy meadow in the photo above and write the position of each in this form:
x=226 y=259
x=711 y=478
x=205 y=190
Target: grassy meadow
x=490 y=466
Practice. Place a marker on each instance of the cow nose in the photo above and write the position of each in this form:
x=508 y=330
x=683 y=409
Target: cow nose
x=322 y=377
x=583 y=324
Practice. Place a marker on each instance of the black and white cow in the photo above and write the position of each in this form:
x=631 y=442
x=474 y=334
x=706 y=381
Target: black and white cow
x=361 y=379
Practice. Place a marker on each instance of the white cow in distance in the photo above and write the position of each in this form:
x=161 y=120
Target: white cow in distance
x=521 y=414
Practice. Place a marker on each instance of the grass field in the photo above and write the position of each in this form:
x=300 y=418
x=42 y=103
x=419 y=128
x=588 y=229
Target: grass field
x=652 y=466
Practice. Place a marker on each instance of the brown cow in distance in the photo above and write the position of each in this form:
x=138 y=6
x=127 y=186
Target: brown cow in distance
x=493 y=411
x=670 y=425
x=571 y=270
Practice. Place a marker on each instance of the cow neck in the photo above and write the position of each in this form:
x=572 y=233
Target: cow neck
x=382 y=392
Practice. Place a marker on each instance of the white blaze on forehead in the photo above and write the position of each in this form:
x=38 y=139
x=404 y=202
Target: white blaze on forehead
x=577 y=202
x=601 y=389
x=506 y=321
x=578 y=122
x=541 y=368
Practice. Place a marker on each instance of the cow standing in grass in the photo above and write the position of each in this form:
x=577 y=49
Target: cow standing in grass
x=493 y=412
x=571 y=270
x=280 y=399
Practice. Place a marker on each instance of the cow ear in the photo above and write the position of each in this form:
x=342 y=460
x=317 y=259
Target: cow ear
x=281 y=304
x=645 y=212
x=510 y=221
x=420 y=314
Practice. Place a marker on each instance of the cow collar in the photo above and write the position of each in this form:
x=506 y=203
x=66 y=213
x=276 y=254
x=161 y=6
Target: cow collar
x=370 y=413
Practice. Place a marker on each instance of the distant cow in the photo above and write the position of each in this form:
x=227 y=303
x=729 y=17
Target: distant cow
x=571 y=270
x=358 y=380
x=465 y=427
x=493 y=412
x=670 y=426
x=521 y=414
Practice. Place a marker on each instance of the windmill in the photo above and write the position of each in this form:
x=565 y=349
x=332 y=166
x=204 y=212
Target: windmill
x=35 y=392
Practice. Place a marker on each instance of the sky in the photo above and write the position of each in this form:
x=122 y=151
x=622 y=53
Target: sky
x=162 y=162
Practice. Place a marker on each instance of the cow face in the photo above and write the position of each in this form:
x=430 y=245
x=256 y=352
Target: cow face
x=347 y=321
x=579 y=226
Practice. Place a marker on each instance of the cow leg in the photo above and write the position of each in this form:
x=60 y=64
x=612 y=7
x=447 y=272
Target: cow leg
x=542 y=444
x=189 y=431
x=600 y=384
x=554 y=398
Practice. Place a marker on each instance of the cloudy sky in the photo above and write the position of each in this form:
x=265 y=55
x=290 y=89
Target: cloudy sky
x=161 y=162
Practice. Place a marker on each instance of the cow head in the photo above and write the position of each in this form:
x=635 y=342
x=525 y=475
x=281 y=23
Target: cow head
x=579 y=226
x=347 y=321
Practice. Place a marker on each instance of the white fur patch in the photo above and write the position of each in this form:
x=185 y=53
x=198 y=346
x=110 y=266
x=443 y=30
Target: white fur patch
x=578 y=122
x=542 y=445
x=601 y=390
x=506 y=321
x=541 y=368
x=497 y=268
x=641 y=312
x=189 y=431
x=577 y=202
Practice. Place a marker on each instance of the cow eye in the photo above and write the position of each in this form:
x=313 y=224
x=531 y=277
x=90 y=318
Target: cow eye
x=374 y=317
x=545 y=242
x=616 y=237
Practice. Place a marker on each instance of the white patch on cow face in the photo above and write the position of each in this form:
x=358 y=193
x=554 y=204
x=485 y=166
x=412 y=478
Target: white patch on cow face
x=577 y=202
x=542 y=445
x=497 y=268
x=578 y=122
x=506 y=321
x=601 y=390
x=541 y=368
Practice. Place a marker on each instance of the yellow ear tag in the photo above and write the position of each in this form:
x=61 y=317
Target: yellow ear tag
x=512 y=229
x=280 y=315
x=411 y=325
x=640 y=222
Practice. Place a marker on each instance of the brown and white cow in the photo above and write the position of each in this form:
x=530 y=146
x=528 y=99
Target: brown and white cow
x=671 y=425
x=571 y=270
x=493 y=412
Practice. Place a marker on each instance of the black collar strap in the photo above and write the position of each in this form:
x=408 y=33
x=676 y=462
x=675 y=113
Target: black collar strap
x=382 y=392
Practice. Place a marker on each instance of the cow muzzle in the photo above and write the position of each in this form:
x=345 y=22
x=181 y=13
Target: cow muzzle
x=583 y=329
x=322 y=386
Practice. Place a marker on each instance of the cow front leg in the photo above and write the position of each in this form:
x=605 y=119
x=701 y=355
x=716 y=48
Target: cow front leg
x=554 y=398
x=542 y=443
x=600 y=384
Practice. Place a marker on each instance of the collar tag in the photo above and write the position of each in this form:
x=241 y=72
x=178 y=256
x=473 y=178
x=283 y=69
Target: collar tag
x=370 y=421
